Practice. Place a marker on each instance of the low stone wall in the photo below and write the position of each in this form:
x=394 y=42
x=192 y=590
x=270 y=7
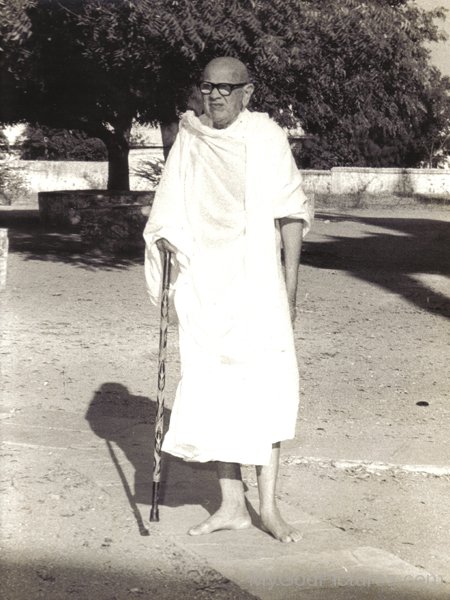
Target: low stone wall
x=70 y=210
x=316 y=182
x=45 y=175
x=3 y=256
x=116 y=229
x=65 y=175
x=340 y=181
x=368 y=182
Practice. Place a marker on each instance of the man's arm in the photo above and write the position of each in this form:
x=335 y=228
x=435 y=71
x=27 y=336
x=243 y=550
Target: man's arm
x=292 y=237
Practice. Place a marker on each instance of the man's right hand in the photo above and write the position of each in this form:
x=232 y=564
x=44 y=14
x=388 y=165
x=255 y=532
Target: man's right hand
x=165 y=246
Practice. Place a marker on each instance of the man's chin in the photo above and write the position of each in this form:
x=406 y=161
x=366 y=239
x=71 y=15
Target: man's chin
x=220 y=123
x=218 y=114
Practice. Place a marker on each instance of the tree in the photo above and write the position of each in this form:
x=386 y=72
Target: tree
x=433 y=148
x=355 y=73
x=67 y=76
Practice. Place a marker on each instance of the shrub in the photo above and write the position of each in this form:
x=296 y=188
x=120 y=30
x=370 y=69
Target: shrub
x=45 y=143
x=151 y=169
x=12 y=184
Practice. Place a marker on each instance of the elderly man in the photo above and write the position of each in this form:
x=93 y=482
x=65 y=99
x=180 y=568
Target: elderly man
x=229 y=189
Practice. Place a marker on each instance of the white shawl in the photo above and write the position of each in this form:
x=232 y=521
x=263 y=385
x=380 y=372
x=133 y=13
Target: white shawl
x=225 y=188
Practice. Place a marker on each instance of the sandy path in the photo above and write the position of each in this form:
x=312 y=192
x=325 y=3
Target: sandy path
x=372 y=340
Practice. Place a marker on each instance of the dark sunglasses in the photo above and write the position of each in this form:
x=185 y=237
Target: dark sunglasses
x=224 y=89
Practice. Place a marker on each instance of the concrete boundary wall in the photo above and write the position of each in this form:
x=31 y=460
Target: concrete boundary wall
x=316 y=182
x=362 y=181
x=48 y=176
x=40 y=176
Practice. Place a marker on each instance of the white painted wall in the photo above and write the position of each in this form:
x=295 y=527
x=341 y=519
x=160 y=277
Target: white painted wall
x=340 y=181
x=372 y=182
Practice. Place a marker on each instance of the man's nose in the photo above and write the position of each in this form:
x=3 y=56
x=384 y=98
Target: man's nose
x=215 y=93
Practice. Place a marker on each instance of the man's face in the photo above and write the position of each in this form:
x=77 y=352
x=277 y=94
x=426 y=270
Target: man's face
x=224 y=110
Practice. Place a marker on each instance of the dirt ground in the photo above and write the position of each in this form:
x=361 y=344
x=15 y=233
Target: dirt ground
x=373 y=342
x=373 y=349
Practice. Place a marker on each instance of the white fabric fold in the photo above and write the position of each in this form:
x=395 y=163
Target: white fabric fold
x=217 y=203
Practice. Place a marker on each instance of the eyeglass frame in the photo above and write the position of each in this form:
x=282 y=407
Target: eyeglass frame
x=232 y=86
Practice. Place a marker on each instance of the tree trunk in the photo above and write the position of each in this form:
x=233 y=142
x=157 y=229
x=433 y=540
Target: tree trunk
x=118 y=167
x=169 y=125
x=169 y=132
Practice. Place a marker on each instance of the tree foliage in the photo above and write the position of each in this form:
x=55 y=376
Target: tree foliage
x=15 y=25
x=355 y=73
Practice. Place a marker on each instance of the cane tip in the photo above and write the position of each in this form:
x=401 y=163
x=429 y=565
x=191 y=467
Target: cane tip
x=154 y=516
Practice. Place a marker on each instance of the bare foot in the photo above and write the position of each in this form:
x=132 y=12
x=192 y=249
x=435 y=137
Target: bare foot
x=274 y=524
x=223 y=519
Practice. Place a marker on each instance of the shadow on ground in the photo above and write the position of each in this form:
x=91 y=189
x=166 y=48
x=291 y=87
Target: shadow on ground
x=57 y=579
x=388 y=253
x=28 y=238
x=84 y=578
x=126 y=423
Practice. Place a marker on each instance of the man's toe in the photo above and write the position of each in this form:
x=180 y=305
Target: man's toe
x=295 y=536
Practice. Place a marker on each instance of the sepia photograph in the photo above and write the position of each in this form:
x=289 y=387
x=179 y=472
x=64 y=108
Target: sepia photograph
x=225 y=299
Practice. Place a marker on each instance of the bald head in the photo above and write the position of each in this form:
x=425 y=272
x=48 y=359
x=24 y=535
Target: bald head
x=224 y=108
x=232 y=69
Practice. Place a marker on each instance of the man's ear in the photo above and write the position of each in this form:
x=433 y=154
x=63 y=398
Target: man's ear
x=248 y=91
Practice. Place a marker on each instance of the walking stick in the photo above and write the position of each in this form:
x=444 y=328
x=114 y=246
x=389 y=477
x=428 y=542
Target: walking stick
x=159 y=423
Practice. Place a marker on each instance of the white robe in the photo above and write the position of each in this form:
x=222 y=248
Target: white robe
x=217 y=203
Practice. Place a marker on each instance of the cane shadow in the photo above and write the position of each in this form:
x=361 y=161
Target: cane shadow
x=126 y=423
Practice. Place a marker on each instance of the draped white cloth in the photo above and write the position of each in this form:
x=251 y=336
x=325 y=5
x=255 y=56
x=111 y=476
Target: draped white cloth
x=217 y=202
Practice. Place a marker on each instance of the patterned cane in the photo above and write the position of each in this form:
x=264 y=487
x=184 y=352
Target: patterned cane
x=159 y=423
